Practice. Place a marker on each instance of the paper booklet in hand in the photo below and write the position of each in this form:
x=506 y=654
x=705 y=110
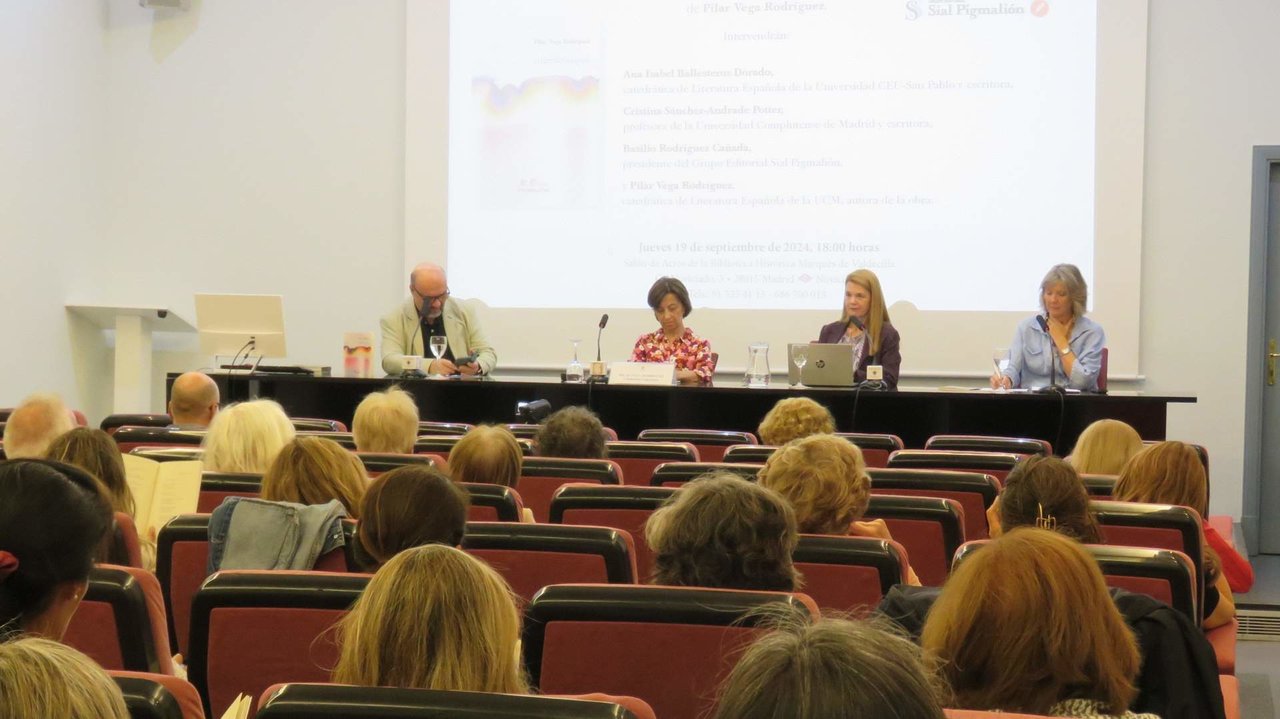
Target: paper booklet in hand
x=161 y=490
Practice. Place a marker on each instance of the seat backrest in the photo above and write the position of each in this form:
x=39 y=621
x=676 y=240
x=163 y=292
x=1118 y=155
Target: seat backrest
x=252 y=629
x=316 y=424
x=492 y=502
x=112 y=422
x=984 y=443
x=848 y=574
x=670 y=646
x=748 y=453
x=442 y=444
x=314 y=701
x=711 y=443
x=1161 y=573
x=675 y=474
x=121 y=623
x=217 y=486
x=876 y=448
x=158 y=696
x=930 y=528
x=626 y=508
x=540 y=477
x=975 y=491
x=530 y=431
x=346 y=439
x=532 y=556
x=1099 y=486
x=639 y=459
x=438 y=428
x=375 y=463
x=996 y=464
x=1158 y=526
x=182 y=555
x=168 y=454
x=129 y=438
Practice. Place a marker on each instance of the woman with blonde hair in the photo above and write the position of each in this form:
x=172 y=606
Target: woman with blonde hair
x=246 y=437
x=1104 y=447
x=433 y=617
x=316 y=470
x=487 y=454
x=793 y=418
x=386 y=421
x=1172 y=473
x=1060 y=345
x=864 y=323
x=1025 y=624
x=43 y=678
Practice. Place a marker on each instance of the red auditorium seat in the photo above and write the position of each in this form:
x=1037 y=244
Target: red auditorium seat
x=532 y=556
x=711 y=443
x=639 y=459
x=121 y=621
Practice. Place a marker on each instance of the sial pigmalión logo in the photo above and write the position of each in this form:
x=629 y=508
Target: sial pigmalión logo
x=973 y=9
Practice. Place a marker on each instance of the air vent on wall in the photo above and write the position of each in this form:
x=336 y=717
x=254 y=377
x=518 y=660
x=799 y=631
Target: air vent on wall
x=1259 y=625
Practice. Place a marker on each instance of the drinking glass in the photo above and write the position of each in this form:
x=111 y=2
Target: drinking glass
x=800 y=356
x=438 y=344
x=575 y=371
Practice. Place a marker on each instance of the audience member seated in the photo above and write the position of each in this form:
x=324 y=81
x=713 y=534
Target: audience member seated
x=246 y=437
x=315 y=470
x=572 y=432
x=433 y=617
x=96 y=453
x=42 y=678
x=193 y=400
x=53 y=519
x=386 y=421
x=1179 y=676
x=825 y=480
x=487 y=455
x=793 y=418
x=723 y=532
x=409 y=507
x=1104 y=447
x=1172 y=473
x=34 y=424
x=1046 y=492
x=1025 y=624
x=830 y=668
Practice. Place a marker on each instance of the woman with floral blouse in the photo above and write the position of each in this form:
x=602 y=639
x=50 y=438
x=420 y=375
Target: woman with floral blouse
x=673 y=342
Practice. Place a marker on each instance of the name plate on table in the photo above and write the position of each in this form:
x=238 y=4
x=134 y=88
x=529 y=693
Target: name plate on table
x=642 y=373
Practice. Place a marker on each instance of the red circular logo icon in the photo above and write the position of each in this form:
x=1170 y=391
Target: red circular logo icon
x=1040 y=8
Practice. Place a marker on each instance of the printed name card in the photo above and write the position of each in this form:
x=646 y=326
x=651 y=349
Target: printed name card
x=642 y=373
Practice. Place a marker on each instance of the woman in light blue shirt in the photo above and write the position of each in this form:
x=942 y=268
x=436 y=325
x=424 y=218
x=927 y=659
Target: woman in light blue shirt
x=1060 y=343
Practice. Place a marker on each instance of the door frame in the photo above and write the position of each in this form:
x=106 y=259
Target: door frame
x=1265 y=157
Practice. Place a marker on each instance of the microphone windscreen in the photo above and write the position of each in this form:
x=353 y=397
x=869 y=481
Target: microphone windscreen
x=604 y=320
x=1044 y=324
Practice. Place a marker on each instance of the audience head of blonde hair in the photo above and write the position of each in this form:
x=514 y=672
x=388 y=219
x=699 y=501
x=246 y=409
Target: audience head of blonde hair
x=1036 y=601
x=487 y=455
x=34 y=424
x=433 y=617
x=824 y=478
x=1104 y=447
x=386 y=421
x=43 y=678
x=316 y=470
x=830 y=668
x=793 y=418
x=246 y=437
x=1165 y=473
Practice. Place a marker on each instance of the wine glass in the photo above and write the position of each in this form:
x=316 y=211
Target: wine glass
x=575 y=371
x=438 y=344
x=800 y=356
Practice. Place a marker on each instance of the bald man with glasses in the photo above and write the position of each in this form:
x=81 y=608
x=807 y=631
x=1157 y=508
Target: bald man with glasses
x=431 y=311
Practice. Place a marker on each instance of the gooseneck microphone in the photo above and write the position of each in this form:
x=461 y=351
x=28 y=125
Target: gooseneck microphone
x=1053 y=360
x=604 y=320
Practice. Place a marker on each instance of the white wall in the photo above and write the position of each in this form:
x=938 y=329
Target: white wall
x=253 y=146
x=51 y=92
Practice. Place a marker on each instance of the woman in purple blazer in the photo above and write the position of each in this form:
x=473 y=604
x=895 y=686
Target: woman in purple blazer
x=865 y=325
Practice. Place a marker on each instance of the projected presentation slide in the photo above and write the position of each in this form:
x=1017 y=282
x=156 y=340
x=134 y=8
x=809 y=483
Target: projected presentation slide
x=762 y=150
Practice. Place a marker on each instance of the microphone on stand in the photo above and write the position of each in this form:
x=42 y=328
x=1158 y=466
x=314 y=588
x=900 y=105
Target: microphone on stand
x=1053 y=361
x=871 y=358
x=415 y=373
x=597 y=367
